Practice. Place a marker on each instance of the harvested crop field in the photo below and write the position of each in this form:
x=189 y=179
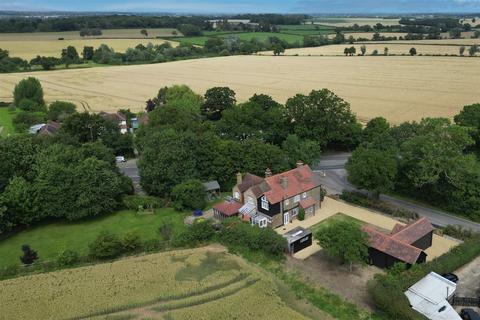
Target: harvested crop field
x=205 y=283
x=75 y=35
x=393 y=48
x=398 y=88
x=32 y=48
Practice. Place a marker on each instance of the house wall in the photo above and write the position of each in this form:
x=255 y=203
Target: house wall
x=273 y=209
x=314 y=193
x=381 y=259
x=249 y=194
x=235 y=189
x=422 y=258
x=424 y=242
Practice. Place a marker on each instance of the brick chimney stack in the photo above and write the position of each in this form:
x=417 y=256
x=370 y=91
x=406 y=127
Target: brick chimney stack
x=239 y=178
x=268 y=173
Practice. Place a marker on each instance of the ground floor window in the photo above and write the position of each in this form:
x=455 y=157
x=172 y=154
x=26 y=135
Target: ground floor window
x=262 y=223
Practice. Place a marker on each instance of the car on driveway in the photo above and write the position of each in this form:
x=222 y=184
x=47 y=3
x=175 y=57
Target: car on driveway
x=451 y=276
x=119 y=159
x=469 y=314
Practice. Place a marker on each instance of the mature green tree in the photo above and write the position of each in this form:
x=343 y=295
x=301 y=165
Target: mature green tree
x=265 y=101
x=253 y=120
x=87 y=53
x=217 y=100
x=374 y=129
x=59 y=110
x=305 y=150
x=278 y=50
x=413 y=51
x=346 y=241
x=470 y=117
x=372 y=169
x=70 y=55
x=29 y=255
x=29 y=88
x=323 y=117
x=23 y=120
x=461 y=50
x=17 y=156
x=473 y=50
x=434 y=152
x=171 y=157
x=189 y=195
x=363 y=49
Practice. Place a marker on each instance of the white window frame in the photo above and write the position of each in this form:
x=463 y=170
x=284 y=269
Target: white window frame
x=263 y=223
x=264 y=203
x=287 y=202
x=236 y=195
x=304 y=195
x=297 y=198
x=286 y=218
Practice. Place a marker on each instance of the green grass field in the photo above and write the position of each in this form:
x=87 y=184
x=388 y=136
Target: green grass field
x=6 y=116
x=51 y=239
x=306 y=29
x=262 y=36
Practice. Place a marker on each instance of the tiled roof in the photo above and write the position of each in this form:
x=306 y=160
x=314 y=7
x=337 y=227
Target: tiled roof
x=228 y=208
x=412 y=232
x=307 y=202
x=50 y=128
x=249 y=181
x=393 y=247
x=117 y=116
x=298 y=180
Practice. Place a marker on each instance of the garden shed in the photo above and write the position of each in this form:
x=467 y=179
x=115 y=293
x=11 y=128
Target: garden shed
x=298 y=239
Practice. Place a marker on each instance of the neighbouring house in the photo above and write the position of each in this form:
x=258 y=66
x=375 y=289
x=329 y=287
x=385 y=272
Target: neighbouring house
x=233 y=22
x=406 y=244
x=276 y=200
x=212 y=189
x=118 y=118
x=430 y=297
x=298 y=239
x=50 y=128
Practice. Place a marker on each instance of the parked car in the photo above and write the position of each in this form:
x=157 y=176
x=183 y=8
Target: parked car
x=469 y=314
x=451 y=276
x=119 y=159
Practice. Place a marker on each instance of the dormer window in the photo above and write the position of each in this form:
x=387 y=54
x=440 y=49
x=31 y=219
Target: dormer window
x=264 y=203
x=236 y=195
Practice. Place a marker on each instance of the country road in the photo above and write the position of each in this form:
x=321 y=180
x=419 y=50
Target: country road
x=334 y=179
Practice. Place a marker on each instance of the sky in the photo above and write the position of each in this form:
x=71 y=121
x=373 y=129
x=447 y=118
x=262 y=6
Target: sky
x=249 y=6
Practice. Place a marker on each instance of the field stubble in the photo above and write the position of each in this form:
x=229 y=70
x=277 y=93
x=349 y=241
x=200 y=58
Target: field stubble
x=397 y=88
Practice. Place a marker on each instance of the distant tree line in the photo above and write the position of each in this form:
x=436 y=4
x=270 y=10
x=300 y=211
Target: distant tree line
x=77 y=23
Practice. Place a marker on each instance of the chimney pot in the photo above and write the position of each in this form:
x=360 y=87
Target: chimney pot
x=268 y=173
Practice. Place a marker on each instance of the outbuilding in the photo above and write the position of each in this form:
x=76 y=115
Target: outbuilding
x=298 y=239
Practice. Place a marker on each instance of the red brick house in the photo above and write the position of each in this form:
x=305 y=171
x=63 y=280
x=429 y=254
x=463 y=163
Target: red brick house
x=276 y=200
x=404 y=244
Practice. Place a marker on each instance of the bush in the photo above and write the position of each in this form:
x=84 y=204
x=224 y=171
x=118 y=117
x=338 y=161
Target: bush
x=29 y=255
x=23 y=120
x=105 y=246
x=144 y=202
x=68 y=258
x=165 y=230
x=131 y=242
x=360 y=199
x=29 y=88
x=458 y=232
x=236 y=233
x=301 y=214
x=189 y=195
x=195 y=234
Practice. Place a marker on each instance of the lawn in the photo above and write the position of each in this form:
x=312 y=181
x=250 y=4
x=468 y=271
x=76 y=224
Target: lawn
x=6 y=116
x=306 y=29
x=51 y=239
x=337 y=217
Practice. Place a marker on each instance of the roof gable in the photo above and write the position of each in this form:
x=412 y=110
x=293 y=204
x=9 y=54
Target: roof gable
x=413 y=232
x=298 y=180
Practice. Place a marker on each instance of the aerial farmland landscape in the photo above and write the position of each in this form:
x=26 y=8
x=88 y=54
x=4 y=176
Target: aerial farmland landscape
x=218 y=160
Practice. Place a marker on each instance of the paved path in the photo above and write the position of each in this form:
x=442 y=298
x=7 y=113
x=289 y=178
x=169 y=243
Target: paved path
x=334 y=179
x=130 y=169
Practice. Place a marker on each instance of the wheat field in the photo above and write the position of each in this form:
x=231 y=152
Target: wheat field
x=203 y=283
x=29 y=49
x=394 y=47
x=397 y=88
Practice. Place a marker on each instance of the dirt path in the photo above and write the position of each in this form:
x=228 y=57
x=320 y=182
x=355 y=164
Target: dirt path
x=326 y=272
